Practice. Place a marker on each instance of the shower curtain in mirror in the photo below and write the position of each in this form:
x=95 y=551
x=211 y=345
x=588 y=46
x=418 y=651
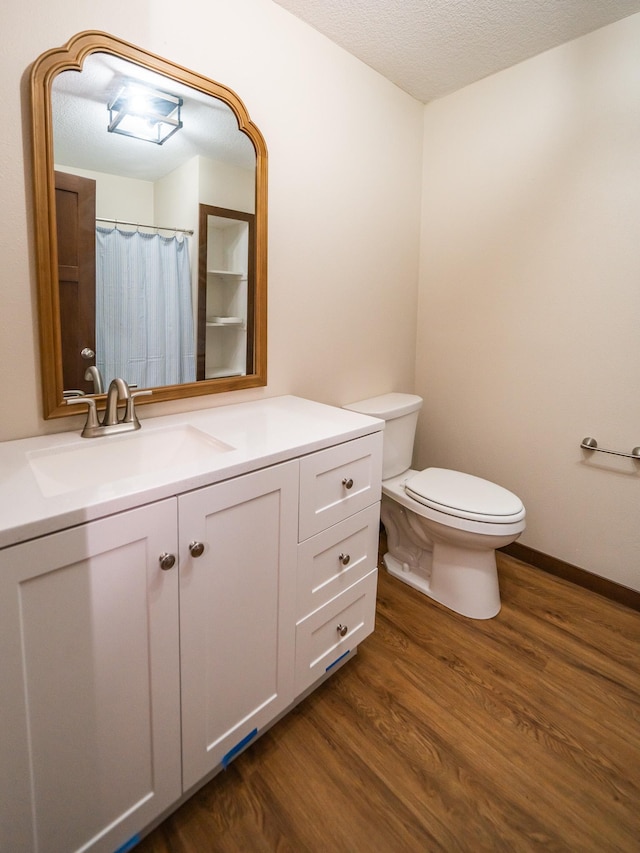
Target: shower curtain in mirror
x=144 y=314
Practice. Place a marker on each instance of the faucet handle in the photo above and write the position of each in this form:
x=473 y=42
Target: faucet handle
x=130 y=416
x=92 y=414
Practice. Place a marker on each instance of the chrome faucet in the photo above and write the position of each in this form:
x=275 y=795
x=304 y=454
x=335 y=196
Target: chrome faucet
x=118 y=392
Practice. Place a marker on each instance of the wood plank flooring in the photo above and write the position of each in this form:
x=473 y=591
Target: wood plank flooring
x=520 y=733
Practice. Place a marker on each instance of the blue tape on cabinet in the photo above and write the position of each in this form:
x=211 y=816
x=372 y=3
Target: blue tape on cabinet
x=337 y=660
x=226 y=759
x=130 y=844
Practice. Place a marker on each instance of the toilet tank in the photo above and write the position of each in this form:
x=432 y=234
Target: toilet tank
x=400 y=413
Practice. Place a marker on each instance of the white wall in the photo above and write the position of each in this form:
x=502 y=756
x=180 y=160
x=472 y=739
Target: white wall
x=344 y=194
x=223 y=185
x=126 y=199
x=529 y=316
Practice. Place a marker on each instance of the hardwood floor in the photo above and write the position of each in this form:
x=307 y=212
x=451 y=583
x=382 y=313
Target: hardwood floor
x=520 y=733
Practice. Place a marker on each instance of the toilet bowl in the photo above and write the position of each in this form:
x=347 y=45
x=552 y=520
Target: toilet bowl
x=442 y=526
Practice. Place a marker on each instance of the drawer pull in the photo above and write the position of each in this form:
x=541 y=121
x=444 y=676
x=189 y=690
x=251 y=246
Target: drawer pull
x=347 y=483
x=345 y=559
x=196 y=549
x=167 y=561
x=342 y=630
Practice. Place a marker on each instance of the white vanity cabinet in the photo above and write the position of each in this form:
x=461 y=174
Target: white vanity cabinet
x=90 y=687
x=150 y=638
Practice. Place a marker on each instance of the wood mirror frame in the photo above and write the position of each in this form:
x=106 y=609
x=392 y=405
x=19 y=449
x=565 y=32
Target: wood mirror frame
x=44 y=71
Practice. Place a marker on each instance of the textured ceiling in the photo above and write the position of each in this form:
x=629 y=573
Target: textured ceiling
x=432 y=47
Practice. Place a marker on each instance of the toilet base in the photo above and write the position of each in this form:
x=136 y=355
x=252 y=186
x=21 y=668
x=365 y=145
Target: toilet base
x=470 y=590
x=413 y=576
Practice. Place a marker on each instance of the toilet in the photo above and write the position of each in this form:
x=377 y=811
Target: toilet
x=443 y=526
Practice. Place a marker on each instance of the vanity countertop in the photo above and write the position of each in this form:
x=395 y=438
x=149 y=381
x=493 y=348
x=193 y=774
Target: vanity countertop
x=251 y=436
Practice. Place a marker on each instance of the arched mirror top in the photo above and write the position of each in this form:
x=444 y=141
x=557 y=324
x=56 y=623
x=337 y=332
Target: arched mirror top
x=193 y=179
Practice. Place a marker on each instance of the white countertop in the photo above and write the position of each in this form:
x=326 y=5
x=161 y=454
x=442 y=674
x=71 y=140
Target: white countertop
x=259 y=433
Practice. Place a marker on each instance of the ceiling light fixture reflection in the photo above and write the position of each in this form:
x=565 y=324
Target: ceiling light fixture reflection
x=144 y=113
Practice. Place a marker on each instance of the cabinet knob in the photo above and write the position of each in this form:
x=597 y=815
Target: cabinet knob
x=167 y=561
x=345 y=559
x=196 y=549
x=347 y=483
x=342 y=630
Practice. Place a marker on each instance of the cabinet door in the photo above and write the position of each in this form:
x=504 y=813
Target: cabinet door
x=237 y=612
x=90 y=734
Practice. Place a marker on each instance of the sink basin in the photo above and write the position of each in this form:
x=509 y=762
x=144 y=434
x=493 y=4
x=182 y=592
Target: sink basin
x=95 y=462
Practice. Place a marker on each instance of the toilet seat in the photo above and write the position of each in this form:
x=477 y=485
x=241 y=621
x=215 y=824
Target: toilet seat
x=464 y=496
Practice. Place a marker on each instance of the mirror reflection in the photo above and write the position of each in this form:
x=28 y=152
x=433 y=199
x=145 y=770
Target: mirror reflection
x=150 y=226
x=225 y=297
x=136 y=156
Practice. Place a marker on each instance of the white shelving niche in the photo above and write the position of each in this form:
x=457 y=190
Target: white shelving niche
x=226 y=293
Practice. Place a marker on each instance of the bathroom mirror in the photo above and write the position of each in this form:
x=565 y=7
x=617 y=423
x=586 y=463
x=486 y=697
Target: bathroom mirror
x=129 y=149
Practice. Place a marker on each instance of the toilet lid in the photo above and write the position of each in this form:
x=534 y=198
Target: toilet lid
x=464 y=496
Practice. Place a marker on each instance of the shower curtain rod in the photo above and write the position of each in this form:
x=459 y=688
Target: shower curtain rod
x=117 y=222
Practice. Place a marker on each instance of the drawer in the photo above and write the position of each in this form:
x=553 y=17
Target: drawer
x=338 y=482
x=332 y=561
x=319 y=641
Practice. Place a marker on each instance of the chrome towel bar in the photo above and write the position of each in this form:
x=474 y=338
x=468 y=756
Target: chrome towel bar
x=591 y=444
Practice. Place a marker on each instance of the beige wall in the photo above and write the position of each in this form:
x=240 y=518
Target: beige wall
x=529 y=316
x=529 y=296
x=344 y=193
